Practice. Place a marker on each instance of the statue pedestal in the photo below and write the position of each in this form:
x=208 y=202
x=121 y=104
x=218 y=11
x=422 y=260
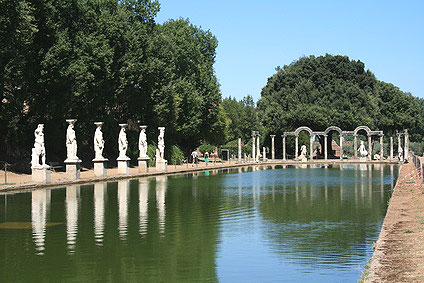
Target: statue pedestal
x=41 y=175
x=73 y=168
x=143 y=164
x=162 y=165
x=100 y=167
x=123 y=165
x=363 y=159
x=303 y=159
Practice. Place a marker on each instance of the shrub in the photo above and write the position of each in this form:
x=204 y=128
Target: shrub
x=176 y=155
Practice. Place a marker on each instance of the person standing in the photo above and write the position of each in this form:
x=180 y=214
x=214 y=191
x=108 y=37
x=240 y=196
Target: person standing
x=194 y=157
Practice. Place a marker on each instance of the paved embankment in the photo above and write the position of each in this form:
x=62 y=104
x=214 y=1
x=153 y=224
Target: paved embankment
x=399 y=251
x=23 y=181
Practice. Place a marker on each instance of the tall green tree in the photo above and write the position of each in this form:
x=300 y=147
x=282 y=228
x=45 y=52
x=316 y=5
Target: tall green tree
x=333 y=90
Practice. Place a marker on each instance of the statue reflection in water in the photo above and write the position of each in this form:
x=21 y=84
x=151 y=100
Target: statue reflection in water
x=72 y=205
x=123 y=199
x=143 y=205
x=40 y=206
x=99 y=211
x=161 y=184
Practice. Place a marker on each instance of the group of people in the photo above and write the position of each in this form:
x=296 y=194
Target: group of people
x=206 y=155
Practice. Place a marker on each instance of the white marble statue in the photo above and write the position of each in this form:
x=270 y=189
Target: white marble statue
x=303 y=153
x=123 y=142
x=400 y=150
x=362 y=151
x=142 y=142
x=39 y=149
x=161 y=144
x=99 y=143
x=71 y=141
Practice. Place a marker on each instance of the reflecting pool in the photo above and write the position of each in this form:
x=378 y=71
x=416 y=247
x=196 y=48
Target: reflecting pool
x=237 y=225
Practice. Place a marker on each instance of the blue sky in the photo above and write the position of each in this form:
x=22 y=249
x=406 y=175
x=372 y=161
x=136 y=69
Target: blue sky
x=257 y=36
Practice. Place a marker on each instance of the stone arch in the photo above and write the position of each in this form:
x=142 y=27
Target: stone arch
x=333 y=128
x=365 y=128
x=303 y=128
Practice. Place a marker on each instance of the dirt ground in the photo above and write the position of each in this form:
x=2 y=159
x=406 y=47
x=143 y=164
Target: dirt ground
x=399 y=251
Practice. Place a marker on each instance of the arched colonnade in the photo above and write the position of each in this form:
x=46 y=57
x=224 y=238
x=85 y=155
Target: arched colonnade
x=342 y=133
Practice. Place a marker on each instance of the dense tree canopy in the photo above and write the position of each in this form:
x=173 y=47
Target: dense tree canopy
x=103 y=61
x=109 y=61
x=332 y=90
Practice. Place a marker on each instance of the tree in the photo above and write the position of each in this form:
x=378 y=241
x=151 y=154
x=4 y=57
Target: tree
x=332 y=90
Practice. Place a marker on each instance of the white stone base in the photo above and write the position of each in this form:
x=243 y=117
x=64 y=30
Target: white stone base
x=73 y=168
x=162 y=166
x=100 y=167
x=363 y=159
x=41 y=175
x=143 y=166
x=123 y=166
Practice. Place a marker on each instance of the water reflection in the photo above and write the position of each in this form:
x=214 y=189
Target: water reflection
x=40 y=205
x=72 y=205
x=143 y=205
x=99 y=211
x=161 y=183
x=123 y=199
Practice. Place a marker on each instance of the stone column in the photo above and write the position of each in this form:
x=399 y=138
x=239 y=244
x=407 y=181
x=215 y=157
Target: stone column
x=239 y=150
x=263 y=154
x=311 y=143
x=284 y=148
x=272 y=147
x=258 y=149
x=369 y=148
x=296 y=148
x=391 y=148
x=325 y=147
x=355 y=146
x=399 y=145
x=341 y=147
x=253 y=146
x=406 y=145
x=381 y=147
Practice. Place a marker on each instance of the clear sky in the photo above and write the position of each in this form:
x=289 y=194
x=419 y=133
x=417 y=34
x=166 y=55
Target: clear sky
x=257 y=36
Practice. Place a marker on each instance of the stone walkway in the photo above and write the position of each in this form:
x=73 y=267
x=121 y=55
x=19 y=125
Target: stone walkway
x=23 y=181
x=399 y=251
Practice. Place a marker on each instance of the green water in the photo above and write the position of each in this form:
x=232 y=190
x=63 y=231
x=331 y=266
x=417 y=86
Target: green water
x=241 y=225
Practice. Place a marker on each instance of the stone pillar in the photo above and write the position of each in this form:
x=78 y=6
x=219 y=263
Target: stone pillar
x=399 y=144
x=341 y=147
x=272 y=147
x=311 y=146
x=325 y=147
x=263 y=154
x=391 y=148
x=40 y=175
x=381 y=148
x=284 y=148
x=406 y=154
x=100 y=167
x=258 y=149
x=369 y=148
x=253 y=146
x=355 y=146
x=296 y=148
x=239 y=150
x=73 y=169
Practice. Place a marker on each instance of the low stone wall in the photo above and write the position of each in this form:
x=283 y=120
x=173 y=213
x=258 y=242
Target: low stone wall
x=399 y=252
